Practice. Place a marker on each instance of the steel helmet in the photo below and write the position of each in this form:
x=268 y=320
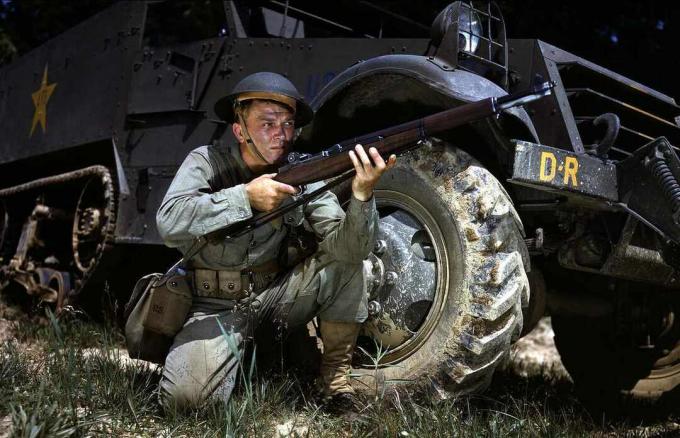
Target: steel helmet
x=268 y=86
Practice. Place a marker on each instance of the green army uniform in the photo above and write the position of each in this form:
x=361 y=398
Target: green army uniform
x=329 y=284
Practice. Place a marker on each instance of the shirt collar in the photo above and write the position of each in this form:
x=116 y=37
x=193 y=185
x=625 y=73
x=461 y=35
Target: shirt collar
x=244 y=172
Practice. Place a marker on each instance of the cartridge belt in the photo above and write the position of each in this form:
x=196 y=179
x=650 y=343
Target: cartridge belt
x=233 y=284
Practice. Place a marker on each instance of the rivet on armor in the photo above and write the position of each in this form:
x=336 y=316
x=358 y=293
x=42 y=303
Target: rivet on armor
x=173 y=283
x=206 y=285
x=230 y=286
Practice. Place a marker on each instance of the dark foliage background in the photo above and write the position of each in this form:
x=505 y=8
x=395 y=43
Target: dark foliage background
x=635 y=38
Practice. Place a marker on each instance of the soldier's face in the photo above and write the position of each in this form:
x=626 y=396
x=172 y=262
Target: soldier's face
x=271 y=127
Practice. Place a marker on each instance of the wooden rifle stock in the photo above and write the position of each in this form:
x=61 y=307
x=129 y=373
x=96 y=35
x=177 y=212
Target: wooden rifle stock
x=399 y=138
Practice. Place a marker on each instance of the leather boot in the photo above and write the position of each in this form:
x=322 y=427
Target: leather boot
x=339 y=339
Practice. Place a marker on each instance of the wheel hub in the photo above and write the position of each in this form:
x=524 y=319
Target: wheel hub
x=89 y=222
x=402 y=280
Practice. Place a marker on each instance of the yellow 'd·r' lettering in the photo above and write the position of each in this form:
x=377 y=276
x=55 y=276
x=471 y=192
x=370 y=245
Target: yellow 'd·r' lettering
x=545 y=158
x=570 y=169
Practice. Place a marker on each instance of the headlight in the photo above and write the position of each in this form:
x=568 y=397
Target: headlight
x=469 y=30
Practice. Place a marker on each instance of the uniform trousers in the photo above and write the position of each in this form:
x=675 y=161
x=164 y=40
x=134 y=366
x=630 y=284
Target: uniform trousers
x=203 y=361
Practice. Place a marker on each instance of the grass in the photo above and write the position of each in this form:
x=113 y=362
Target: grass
x=69 y=378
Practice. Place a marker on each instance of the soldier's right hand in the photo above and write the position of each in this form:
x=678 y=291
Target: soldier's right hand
x=265 y=194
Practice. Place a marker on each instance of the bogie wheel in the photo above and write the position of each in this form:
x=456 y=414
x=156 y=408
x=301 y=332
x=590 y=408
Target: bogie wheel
x=629 y=367
x=453 y=258
x=93 y=222
x=93 y=229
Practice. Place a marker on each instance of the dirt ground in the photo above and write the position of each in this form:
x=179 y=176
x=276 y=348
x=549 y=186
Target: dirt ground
x=535 y=354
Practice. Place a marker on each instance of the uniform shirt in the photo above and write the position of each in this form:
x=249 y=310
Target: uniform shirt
x=191 y=209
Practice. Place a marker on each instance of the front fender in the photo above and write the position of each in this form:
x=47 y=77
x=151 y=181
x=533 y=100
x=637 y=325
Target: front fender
x=391 y=89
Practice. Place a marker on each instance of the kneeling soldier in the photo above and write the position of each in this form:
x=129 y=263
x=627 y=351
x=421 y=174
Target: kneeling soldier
x=240 y=277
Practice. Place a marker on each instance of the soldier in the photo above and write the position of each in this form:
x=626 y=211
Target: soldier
x=241 y=277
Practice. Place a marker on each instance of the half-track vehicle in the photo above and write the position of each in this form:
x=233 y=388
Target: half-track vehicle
x=569 y=206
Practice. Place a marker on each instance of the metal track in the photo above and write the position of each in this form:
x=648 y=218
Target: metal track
x=55 y=179
x=110 y=211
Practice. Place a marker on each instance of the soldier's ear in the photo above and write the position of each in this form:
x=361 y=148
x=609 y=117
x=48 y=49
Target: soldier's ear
x=238 y=132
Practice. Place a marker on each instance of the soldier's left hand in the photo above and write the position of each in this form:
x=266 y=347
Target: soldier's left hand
x=368 y=170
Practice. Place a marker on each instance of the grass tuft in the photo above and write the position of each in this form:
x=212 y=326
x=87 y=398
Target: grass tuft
x=68 y=377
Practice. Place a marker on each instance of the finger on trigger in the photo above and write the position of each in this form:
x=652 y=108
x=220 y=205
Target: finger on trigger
x=285 y=188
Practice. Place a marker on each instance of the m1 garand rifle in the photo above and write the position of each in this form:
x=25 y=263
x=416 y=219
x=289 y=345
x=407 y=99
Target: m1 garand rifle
x=335 y=163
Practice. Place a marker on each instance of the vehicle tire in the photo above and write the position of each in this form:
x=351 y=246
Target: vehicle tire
x=462 y=222
x=614 y=375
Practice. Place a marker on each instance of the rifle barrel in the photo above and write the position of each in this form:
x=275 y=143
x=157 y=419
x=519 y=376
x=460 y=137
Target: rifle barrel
x=400 y=138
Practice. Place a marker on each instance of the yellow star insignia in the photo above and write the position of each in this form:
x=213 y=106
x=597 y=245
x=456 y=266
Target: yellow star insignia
x=40 y=98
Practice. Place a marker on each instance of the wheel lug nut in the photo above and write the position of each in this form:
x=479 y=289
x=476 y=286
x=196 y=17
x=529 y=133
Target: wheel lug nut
x=379 y=247
x=374 y=308
x=391 y=278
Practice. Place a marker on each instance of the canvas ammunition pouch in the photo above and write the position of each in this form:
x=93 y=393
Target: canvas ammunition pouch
x=234 y=285
x=154 y=314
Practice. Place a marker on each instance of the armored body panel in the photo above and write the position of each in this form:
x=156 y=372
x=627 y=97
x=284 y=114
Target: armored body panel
x=70 y=91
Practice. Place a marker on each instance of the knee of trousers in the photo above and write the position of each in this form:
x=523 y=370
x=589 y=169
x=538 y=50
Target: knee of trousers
x=176 y=392
x=346 y=279
x=174 y=397
x=186 y=394
x=197 y=371
x=344 y=285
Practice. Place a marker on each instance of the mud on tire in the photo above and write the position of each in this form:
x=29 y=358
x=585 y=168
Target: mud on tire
x=481 y=281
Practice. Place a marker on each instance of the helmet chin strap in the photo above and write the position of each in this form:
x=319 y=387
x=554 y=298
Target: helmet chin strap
x=249 y=140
